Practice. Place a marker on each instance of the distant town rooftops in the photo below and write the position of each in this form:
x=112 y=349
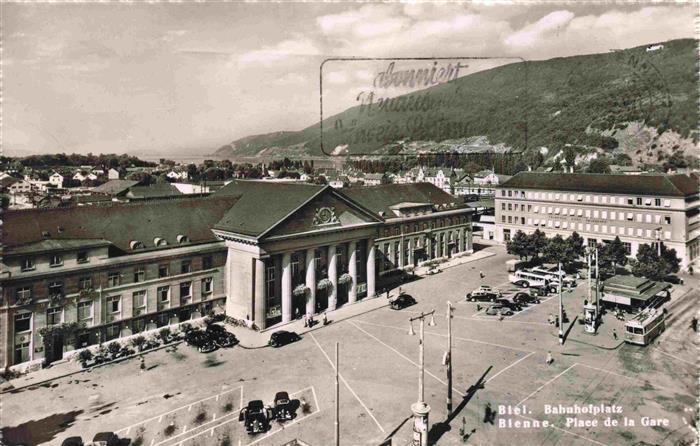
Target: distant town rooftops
x=661 y=185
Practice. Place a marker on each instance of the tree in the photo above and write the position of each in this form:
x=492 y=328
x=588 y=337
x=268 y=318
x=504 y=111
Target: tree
x=559 y=250
x=610 y=256
x=575 y=242
x=649 y=264
x=519 y=245
x=570 y=156
x=599 y=165
x=537 y=242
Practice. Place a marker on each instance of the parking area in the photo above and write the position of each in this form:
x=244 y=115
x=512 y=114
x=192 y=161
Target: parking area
x=495 y=363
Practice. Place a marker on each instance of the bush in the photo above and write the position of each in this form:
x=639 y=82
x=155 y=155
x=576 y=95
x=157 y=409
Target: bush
x=170 y=429
x=114 y=347
x=138 y=342
x=228 y=407
x=84 y=356
x=164 y=334
x=201 y=417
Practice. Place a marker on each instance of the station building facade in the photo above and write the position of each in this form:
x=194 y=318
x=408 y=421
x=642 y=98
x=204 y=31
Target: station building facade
x=640 y=209
x=260 y=251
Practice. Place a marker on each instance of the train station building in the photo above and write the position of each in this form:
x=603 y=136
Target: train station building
x=260 y=251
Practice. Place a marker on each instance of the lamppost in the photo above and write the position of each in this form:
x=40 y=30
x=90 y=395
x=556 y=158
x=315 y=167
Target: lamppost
x=561 y=311
x=657 y=232
x=448 y=357
x=420 y=408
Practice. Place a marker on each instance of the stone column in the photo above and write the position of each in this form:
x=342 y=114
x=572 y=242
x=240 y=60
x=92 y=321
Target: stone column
x=286 y=287
x=411 y=246
x=463 y=245
x=446 y=244
x=370 y=268
x=401 y=253
x=311 y=281
x=333 y=277
x=259 y=297
x=352 y=270
x=429 y=247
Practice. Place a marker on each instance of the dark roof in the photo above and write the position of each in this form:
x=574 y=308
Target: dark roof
x=56 y=245
x=7 y=181
x=262 y=204
x=160 y=190
x=661 y=185
x=381 y=198
x=119 y=223
x=114 y=187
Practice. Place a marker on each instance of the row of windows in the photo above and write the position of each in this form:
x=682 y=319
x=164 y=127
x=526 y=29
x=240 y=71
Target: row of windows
x=438 y=223
x=113 y=305
x=603 y=199
x=605 y=229
x=55 y=260
x=588 y=213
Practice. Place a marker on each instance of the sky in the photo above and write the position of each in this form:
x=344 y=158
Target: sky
x=186 y=78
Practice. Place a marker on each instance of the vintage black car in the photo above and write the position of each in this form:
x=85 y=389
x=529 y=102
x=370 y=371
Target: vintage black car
x=256 y=417
x=402 y=301
x=483 y=294
x=282 y=337
x=109 y=439
x=73 y=441
x=511 y=304
x=195 y=337
x=282 y=407
x=220 y=336
x=525 y=298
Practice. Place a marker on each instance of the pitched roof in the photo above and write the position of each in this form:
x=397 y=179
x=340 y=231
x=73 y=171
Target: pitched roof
x=114 y=187
x=160 y=190
x=660 y=185
x=56 y=245
x=119 y=223
x=381 y=198
x=262 y=204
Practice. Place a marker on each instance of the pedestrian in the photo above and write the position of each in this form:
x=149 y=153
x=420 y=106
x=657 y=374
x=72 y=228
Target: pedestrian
x=488 y=414
x=387 y=293
x=614 y=334
x=297 y=313
x=311 y=320
x=306 y=321
x=478 y=307
x=481 y=274
x=325 y=318
x=549 y=359
x=690 y=269
x=400 y=291
x=143 y=363
x=694 y=324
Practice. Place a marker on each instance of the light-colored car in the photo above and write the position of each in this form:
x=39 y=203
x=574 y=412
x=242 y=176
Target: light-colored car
x=495 y=310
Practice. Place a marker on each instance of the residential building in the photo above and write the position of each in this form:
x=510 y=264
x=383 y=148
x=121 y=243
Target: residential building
x=113 y=174
x=56 y=179
x=262 y=251
x=640 y=209
x=375 y=179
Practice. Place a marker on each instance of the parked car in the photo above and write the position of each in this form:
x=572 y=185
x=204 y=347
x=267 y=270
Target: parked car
x=509 y=303
x=433 y=270
x=496 y=309
x=208 y=346
x=256 y=417
x=483 y=294
x=282 y=337
x=402 y=301
x=221 y=336
x=73 y=441
x=195 y=337
x=525 y=298
x=108 y=439
x=539 y=290
x=282 y=408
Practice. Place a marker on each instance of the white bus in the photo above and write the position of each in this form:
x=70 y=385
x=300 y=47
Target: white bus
x=527 y=279
x=554 y=274
x=645 y=326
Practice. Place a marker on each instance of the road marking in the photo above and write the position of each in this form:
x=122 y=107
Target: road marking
x=211 y=432
x=545 y=384
x=622 y=376
x=347 y=385
x=184 y=428
x=194 y=428
x=673 y=356
x=179 y=408
x=286 y=425
x=513 y=364
x=490 y=319
x=444 y=336
x=160 y=418
x=403 y=356
x=189 y=409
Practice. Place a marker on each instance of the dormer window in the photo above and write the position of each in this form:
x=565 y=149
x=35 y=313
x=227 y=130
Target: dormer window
x=183 y=239
x=56 y=260
x=28 y=264
x=158 y=241
x=135 y=244
x=82 y=257
x=45 y=234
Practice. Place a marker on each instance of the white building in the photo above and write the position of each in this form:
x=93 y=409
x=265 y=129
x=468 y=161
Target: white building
x=56 y=180
x=113 y=174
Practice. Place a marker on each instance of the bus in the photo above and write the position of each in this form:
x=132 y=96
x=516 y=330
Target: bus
x=645 y=326
x=527 y=279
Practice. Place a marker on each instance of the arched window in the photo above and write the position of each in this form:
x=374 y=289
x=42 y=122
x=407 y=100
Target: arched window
x=135 y=244
x=158 y=241
x=183 y=239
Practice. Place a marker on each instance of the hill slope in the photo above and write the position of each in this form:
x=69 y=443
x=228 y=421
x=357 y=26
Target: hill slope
x=521 y=106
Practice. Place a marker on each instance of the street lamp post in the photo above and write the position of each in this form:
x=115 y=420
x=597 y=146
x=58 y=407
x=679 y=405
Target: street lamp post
x=657 y=231
x=561 y=311
x=420 y=408
x=448 y=357
x=337 y=397
x=597 y=286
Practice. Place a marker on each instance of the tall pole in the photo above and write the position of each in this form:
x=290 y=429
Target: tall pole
x=337 y=397
x=420 y=409
x=449 y=358
x=421 y=375
x=561 y=311
x=589 y=275
x=597 y=286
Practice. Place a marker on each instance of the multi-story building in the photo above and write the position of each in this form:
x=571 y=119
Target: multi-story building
x=640 y=209
x=258 y=250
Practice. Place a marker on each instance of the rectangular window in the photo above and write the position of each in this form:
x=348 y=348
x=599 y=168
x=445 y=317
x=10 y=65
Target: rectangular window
x=503 y=193
x=510 y=193
x=85 y=311
x=28 y=264
x=207 y=286
x=503 y=206
x=628 y=248
x=595 y=213
x=657 y=201
x=647 y=218
x=85 y=283
x=185 y=290
x=23 y=322
x=56 y=260
x=21 y=352
x=56 y=288
x=522 y=220
x=510 y=207
x=114 y=304
x=667 y=203
x=630 y=201
x=630 y=216
x=639 y=218
x=23 y=293
x=510 y=219
x=639 y=201
x=604 y=215
x=596 y=198
x=667 y=219
x=113 y=279
x=83 y=257
x=529 y=207
x=613 y=216
x=163 y=271
x=185 y=267
x=588 y=213
x=164 y=294
x=207 y=262
x=53 y=316
x=503 y=218
x=139 y=299
x=139 y=274
x=270 y=281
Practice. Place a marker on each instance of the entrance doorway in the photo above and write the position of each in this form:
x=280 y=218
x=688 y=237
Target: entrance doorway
x=54 y=348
